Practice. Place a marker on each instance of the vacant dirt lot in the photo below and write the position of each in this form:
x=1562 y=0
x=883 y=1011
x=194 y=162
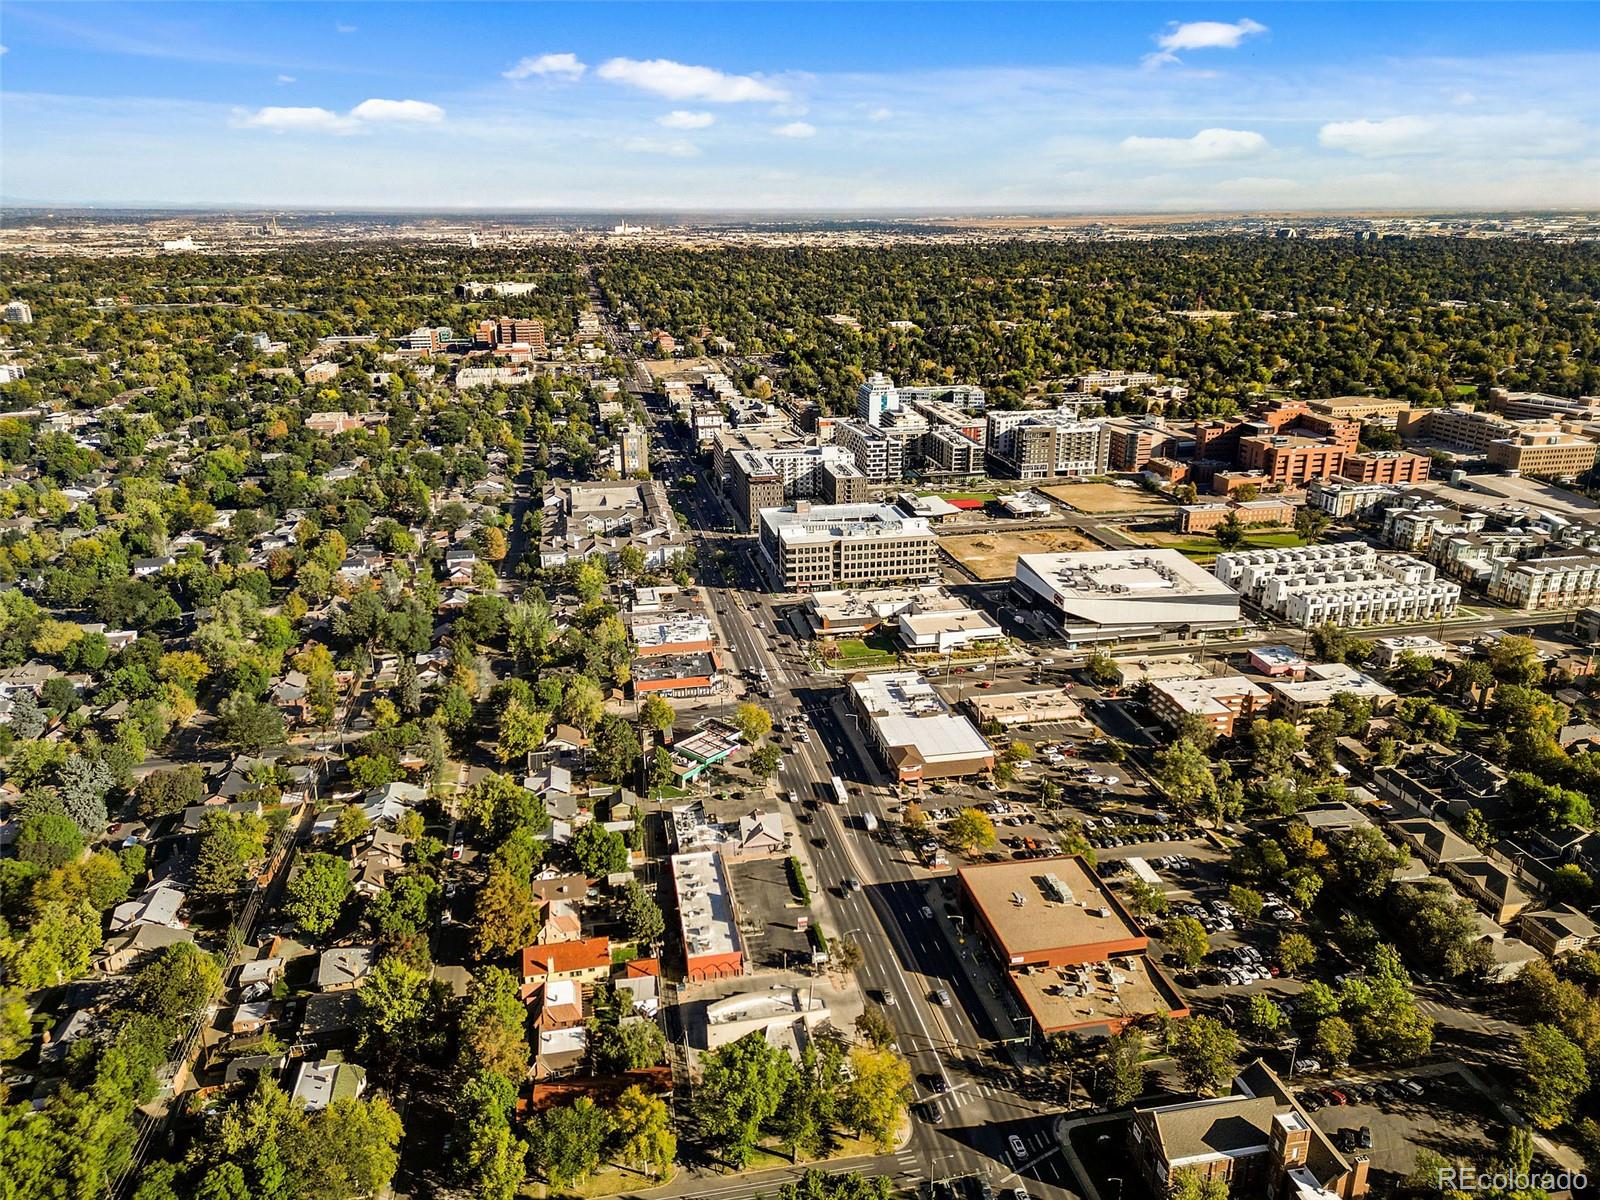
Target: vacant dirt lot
x=994 y=555
x=671 y=368
x=1106 y=498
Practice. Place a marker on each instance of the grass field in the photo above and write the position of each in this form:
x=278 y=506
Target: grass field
x=1106 y=498
x=994 y=555
x=870 y=652
x=1204 y=549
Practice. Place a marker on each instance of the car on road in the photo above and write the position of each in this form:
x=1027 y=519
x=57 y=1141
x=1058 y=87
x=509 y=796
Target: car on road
x=1019 y=1193
x=932 y=1113
x=1017 y=1148
x=886 y=998
x=942 y=998
x=938 y=1085
x=927 y=913
x=821 y=843
x=851 y=884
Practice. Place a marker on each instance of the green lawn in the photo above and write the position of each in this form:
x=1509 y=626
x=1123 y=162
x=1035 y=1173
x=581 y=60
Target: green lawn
x=1255 y=539
x=858 y=652
x=986 y=497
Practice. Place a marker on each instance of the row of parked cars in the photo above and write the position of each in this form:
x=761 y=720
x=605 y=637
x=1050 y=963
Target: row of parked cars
x=1361 y=1093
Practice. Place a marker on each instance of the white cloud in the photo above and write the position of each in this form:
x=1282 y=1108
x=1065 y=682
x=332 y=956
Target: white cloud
x=881 y=114
x=671 y=148
x=1207 y=146
x=679 y=81
x=796 y=129
x=398 y=110
x=1379 y=139
x=343 y=28
x=562 y=66
x=1201 y=35
x=285 y=78
x=297 y=120
x=680 y=119
x=5 y=49
x=287 y=119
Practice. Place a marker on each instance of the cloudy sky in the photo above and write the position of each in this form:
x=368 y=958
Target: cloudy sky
x=982 y=107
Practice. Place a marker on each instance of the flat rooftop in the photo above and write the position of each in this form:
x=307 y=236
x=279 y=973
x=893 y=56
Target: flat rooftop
x=909 y=715
x=705 y=904
x=1110 y=993
x=1030 y=914
x=654 y=668
x=1125 y=574
x=1327 y=680
x=1205 y=696
x=827 y=522
x=1037 y=704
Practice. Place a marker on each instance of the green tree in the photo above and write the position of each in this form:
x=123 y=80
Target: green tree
x=644 y=1132
x=741 y=1086
x=764 y=761
x=565 y=1143
x=229 y=848
x=1125 y=1072
x=48 y=840
x=504 y=914
x=1265 y=1015
x=1246 y=901
x=248 y=725
x=1187 y=940
x=1295 y=952
x=1335 y=1040
x=971 y=830
x=494 y=1027
x=642 y=914
x=1204 y=1051
x=874 y=1099
x=1187 y=776
x=1188 y=1184
x=317 y=891
x=752 y=721
x=1230 y=533
x=656 y=714
x=1102 y=669
x=1553 y=1076
x=600 y=851
x=176 y=985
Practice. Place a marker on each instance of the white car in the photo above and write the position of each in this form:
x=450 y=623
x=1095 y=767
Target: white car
x=1110 y=780
x=1017 y=1148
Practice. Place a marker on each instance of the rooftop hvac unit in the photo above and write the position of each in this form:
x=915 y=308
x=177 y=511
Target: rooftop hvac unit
x=1057 y=890
x=1016 y=898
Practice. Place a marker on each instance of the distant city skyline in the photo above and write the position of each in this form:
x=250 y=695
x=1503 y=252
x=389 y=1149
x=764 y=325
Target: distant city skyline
x=1182 y=107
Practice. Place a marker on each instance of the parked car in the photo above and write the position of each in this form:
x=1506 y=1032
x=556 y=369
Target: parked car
x=942 y=998
x=1017 y=1148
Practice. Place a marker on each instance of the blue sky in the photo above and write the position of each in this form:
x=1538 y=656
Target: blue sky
x=899 y=106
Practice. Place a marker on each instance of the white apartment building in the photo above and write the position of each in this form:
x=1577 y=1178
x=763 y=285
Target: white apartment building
x=1345 y=583
x=876 y=396
x=11 y=372
x=18 y=312
x=1560 y=581
x=1045 y=443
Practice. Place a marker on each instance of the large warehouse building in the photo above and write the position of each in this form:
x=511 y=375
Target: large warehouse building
x=1106 y=594
x=1074 y=956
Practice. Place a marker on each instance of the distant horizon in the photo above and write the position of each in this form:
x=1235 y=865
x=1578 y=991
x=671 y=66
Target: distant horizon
x=999 y=108
x=976 y=212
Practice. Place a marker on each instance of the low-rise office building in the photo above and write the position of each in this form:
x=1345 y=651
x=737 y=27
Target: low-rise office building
x=1386 y=466
x=708 y=920
x=1074 y=956
x=914 y=731
x=1298 y=699
x=817 y=548
x=1222 y=702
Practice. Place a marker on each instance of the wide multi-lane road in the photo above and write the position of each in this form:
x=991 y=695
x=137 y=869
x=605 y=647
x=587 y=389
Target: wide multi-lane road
x=909 y=952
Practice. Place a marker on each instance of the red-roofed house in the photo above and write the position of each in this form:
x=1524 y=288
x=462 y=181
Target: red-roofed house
x=587 y=961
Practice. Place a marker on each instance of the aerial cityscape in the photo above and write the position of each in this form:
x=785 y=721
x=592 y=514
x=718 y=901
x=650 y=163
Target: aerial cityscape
x=799 y=601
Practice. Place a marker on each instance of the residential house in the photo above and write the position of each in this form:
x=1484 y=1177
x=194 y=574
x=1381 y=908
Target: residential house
x=343 y=968
x=1559 y=929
